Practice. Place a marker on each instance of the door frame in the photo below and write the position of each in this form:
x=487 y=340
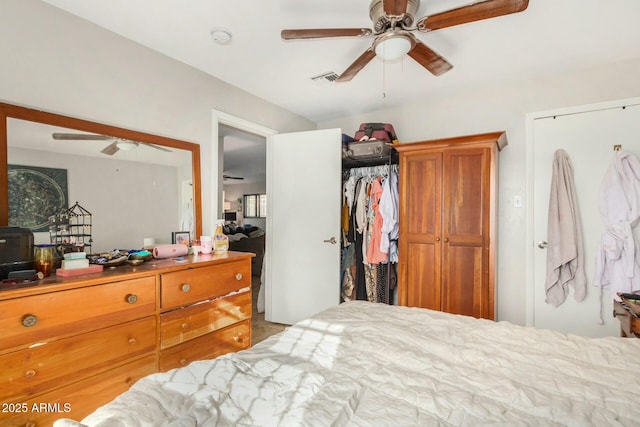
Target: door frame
x=529 y=185
x=221 y=118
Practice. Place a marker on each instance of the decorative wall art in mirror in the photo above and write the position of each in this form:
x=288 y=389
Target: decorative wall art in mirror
x=35 y=194
x=136 y=185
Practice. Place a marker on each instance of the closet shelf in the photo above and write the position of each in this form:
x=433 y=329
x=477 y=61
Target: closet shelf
x=392 y=158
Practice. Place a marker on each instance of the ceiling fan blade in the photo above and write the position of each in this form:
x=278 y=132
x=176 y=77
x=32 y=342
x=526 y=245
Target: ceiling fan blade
x=110 y=149
x=79 y=136
x=472 y=12
x=357 y=65
x=324 y=33
x=395 y=7
x=429 y=59
x=157 y=147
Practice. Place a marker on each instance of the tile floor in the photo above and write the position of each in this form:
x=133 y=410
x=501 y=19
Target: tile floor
x=260 y=328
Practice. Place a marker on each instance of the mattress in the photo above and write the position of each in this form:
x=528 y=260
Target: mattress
x=364 y=364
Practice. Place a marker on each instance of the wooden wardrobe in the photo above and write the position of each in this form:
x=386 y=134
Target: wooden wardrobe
x=447 y=242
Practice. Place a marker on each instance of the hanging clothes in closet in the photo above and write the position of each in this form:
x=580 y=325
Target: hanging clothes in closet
x=370 y=233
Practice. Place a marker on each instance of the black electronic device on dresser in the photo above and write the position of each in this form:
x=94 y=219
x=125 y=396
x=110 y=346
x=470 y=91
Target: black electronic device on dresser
x=16 y=250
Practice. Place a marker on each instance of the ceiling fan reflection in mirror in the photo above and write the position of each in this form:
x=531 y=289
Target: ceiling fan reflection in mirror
x=116 y=145
x=392 y=26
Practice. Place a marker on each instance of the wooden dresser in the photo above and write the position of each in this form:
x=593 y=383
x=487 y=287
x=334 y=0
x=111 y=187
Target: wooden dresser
x=447 y=243
x=70 y=345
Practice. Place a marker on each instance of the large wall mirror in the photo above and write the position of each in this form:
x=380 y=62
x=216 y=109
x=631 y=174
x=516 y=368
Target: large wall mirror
x=135 y=185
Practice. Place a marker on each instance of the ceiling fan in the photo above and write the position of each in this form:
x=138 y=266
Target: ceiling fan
x=229 y=177
x=392 y=25
x=116 y=145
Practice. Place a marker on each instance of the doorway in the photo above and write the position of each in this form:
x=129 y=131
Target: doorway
x=241 y=160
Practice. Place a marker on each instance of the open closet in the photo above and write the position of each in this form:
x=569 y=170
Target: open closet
x=369 y=229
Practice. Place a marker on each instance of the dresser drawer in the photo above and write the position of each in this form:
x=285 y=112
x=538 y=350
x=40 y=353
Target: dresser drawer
x=49 y=316
x=78 y=400
x=231 y=339
x=191 y=322
x=181 y=288
x=32 y=371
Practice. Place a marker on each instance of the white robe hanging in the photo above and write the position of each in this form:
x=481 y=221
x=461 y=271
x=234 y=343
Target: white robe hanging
x=389 y=211
x=565 y=249
x=617 y=264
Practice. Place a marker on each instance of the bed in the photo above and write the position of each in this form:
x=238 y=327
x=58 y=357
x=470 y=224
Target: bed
x=363 y=364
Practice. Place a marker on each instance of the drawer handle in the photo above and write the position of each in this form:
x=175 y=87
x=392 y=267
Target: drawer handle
x=185 y=326
x=132 y=298
x=30 y=373
x=186 y=287
x=30 y=424
x=183 y=361
x=133 y=341
x=239 y=276
x=238 y=339
x=29 y=320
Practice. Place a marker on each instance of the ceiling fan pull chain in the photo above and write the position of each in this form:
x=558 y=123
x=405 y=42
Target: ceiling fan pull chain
x=384 y=82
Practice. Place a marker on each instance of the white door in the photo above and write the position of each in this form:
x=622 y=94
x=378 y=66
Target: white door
x=302 y=275
x=588 y=137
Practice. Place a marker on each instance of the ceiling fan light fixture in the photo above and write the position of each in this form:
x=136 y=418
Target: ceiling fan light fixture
x=394 y=47
x=126 y=145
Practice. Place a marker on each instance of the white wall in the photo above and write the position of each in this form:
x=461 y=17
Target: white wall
x=504 y=107
x=54 y=61
x=123 y=197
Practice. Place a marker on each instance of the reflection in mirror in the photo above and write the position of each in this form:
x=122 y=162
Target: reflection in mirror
x=134 y=190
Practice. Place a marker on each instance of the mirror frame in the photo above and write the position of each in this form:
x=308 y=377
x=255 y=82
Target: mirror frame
x=32 y=115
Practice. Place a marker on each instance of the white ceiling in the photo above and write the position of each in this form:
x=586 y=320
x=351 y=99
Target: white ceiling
x=550 y=37
x=245 y=156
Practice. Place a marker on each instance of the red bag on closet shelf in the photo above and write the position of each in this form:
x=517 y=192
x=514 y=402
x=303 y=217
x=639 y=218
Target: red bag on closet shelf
x=379 y=131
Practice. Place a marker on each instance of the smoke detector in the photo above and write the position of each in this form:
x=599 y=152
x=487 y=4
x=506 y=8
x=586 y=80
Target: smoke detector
x=221 y=36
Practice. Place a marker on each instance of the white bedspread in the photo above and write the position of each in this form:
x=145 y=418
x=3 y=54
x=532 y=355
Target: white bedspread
x=364 y=364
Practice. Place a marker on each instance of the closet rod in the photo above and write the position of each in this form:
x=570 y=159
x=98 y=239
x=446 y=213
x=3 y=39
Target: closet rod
x=372 y=170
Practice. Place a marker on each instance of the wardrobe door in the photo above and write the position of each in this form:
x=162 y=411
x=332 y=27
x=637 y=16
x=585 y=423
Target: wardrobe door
x=465 y=234
x=421 y=228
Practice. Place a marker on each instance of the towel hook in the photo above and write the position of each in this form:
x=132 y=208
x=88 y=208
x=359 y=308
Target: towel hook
x=617 y=147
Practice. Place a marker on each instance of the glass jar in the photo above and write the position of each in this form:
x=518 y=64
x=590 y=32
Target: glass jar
x=46 y=258
x=206 y=246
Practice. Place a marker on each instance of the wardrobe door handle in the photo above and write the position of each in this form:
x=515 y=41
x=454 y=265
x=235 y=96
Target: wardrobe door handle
x=446 y=239
x=437 y=239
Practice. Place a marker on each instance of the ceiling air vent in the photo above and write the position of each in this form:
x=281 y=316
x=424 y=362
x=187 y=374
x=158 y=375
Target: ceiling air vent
x=328 y=77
